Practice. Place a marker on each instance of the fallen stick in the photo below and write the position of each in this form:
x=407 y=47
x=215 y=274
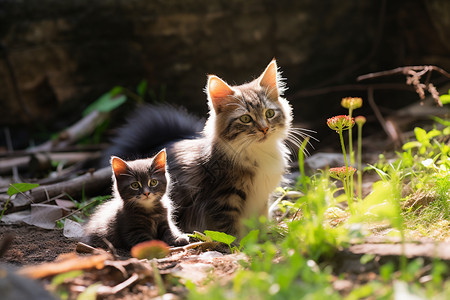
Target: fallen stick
x=82 y=128
x=89 y=183
x=105 y=290
x=7 y=164
x=69 y=264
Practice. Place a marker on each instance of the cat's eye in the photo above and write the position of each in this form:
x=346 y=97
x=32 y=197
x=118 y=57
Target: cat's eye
x=245 y=118
x=152 y=182
x=135 y=185
x=270 y=113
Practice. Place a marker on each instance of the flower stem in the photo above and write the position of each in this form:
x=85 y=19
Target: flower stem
x=341 y=138
x=350 y=140
x=352 y=159
x=5 y=207
x=346 y=182
x=359 y=161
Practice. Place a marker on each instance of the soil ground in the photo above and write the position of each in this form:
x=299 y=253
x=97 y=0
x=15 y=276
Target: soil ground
x=33 y=245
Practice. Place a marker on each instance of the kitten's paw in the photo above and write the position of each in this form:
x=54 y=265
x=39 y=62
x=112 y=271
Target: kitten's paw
x=182 y=240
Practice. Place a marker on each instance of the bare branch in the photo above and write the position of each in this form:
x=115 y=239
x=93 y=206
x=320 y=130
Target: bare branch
x=402 y=70
x=82 y=128
x=90 y=183
x=7 y=164
x=413 y=77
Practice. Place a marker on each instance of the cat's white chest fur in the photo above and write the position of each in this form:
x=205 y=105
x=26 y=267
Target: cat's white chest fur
x=269 y=164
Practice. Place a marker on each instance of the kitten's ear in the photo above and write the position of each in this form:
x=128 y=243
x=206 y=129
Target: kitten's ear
x=269 y=80
x=159 y=162
x=118 y=165
x=218 y=91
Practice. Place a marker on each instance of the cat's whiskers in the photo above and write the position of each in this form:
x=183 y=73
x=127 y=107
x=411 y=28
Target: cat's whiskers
x=300 y=132
x=296 y=136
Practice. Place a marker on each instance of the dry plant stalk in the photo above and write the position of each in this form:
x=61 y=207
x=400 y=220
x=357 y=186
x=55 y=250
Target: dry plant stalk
x=413 y=77
x=69 y=262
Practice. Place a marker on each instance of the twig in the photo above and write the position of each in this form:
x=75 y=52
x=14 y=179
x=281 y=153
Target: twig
x=110 y=247
x=69 y=264
x=77 y=210
x=68 y=149
x=8 y=164
x=413 y=77
x=95 y=182
x=85 y=248
x=82 y=128
x=204 y=246
x=387 y=127
x=402 y=70
x=105 y=290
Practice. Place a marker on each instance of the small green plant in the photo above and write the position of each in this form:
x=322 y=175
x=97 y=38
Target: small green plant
x=17 y=188
x=217 y=236
x=288 y=268
x=108 y=101
x=445 y=98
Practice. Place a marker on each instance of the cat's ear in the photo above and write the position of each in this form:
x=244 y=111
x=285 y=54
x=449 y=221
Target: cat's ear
x=159 y=162
x=269 y=80
x=218 y=91
x=118 y=165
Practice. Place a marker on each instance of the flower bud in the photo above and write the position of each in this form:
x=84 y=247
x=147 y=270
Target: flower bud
x=360 y=120
x=351 y=102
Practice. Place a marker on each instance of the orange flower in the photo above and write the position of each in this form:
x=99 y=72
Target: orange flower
x=341 y=122
x=342 y=172
x=351 y=102
x=150 y=249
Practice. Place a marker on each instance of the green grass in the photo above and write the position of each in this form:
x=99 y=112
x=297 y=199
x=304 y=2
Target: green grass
x=294 y=259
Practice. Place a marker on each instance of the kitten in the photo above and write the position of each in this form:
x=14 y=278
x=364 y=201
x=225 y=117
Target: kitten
x=139 y=210
x=227 y=172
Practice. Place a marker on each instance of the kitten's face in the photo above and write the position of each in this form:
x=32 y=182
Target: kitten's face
x=250 y=113
x=141 y=181
x=253 y=117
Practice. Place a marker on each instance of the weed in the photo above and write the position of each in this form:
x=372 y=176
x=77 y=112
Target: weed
x=17 y=188
x=294 y=263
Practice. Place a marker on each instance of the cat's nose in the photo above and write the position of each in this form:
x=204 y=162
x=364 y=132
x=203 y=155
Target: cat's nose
x=264 y=130
x=147 y=194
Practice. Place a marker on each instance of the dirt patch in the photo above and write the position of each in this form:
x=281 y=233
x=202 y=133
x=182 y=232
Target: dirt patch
x=33 y=245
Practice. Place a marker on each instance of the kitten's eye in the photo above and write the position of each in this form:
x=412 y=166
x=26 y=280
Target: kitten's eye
x=152 y=182
x=270 y=113
x=135 y=185
x=245 y=118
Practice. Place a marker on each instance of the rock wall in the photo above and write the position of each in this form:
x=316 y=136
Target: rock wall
x=58 y=56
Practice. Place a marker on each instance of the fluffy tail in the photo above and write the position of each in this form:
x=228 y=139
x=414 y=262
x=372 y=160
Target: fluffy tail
x=150 y=128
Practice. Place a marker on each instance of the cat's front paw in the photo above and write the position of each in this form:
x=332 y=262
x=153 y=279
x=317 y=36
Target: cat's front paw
x=182 y=240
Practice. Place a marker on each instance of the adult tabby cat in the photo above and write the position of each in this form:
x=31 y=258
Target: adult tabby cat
x=226 y=172
x=139 y=210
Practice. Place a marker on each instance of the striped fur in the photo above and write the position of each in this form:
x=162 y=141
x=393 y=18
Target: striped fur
x=135 y=214
x=228 y=174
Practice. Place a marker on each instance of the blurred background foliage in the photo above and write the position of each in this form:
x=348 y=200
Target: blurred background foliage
x=57 y=57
